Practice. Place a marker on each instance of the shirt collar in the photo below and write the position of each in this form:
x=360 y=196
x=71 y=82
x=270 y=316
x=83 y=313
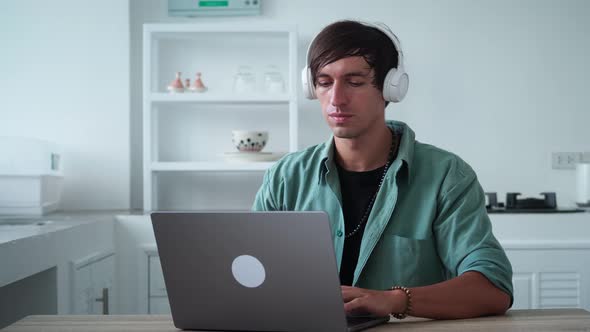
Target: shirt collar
x=406 y=147
x=405 y=150
x=327 y=160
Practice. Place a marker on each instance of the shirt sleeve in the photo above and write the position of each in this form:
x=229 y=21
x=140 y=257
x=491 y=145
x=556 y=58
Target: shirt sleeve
x=265 y=197
x=463 y=230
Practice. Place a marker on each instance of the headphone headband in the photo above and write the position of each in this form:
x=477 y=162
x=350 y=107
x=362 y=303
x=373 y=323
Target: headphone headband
x=385 y=29
x=395 y=85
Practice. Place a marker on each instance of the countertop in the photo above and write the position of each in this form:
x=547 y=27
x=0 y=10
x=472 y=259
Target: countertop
x=13 y=228
x=29 y=245
x=514 y=320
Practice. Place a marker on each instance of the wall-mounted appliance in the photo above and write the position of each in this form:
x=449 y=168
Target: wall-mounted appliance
x=31 y=176
x=192 y=8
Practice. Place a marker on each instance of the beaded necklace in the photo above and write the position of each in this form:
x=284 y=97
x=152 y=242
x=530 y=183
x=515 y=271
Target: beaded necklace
x=370 y=206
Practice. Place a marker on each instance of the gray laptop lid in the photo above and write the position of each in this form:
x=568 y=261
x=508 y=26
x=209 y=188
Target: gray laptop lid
x=258 y=271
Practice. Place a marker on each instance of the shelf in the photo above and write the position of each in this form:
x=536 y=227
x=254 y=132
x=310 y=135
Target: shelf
x=183 y=128
x=190 y=97
x=210 y=166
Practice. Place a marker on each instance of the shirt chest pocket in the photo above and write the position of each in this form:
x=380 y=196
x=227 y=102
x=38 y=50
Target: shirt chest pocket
x=399 y=260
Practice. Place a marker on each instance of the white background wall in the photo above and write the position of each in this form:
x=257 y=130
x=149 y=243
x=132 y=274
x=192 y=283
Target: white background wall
x=501 y=83
x=64 y=77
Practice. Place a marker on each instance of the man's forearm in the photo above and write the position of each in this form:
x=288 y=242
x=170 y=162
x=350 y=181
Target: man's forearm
x=468 y=295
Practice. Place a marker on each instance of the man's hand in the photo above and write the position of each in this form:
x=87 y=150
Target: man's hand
x=378 y=303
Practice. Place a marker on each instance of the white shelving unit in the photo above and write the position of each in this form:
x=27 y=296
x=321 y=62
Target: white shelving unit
x=187 y=133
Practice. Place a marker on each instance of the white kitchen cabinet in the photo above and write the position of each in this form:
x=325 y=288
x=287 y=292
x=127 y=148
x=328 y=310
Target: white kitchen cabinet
x=549 y=255
x=186 y=135
x=157 y=294
x=92 y=284
x=550 y=275
x=152 y=296
x=545 y=276
x=157 y=285
x=82 y=291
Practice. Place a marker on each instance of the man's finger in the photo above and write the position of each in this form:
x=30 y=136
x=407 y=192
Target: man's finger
x=350 y=293
x=356 y=305
x=349 y=296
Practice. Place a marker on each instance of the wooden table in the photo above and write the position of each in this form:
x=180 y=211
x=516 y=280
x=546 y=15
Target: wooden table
x=514 y=320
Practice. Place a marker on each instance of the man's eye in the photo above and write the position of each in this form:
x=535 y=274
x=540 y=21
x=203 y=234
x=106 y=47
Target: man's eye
x=356 y=83
x=324 y=84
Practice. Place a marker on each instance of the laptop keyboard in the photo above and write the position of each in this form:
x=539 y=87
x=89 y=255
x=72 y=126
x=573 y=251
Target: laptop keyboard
x=358 y=320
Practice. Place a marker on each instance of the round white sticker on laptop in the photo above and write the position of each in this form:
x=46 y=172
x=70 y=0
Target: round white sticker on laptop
x=248 y=271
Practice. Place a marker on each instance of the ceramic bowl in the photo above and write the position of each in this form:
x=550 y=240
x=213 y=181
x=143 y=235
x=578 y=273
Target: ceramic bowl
x=249 y=140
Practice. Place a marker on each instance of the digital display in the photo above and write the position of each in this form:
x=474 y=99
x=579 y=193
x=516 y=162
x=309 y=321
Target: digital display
x=213 y=3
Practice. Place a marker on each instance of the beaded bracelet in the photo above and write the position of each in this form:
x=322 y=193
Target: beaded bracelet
x=408 y=302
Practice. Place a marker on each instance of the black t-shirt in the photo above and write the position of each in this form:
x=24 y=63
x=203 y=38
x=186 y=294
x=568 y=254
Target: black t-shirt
x=357 y=189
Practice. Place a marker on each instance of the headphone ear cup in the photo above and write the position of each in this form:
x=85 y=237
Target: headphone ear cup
x=307 y=83
x=395 y=85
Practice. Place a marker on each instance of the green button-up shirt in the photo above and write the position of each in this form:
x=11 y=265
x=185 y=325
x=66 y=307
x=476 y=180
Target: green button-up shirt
x=428 y=223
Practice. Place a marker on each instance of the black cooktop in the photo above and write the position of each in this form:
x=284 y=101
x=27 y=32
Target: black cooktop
x=547 y=204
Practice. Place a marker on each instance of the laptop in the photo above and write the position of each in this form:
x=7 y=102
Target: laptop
x=252 y=271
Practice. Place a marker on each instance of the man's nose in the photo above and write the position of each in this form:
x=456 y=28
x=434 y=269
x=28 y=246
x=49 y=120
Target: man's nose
x=339 y=95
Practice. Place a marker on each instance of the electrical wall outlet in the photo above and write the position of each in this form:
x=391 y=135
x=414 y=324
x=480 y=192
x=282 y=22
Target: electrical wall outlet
x=568 y=160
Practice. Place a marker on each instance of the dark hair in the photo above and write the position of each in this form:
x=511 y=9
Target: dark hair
x=344 y=39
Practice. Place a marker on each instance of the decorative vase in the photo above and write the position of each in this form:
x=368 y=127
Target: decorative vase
x=198 y=85
x=176 y=85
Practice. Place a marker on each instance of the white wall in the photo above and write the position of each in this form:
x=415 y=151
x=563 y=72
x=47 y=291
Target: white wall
x=501 y=83
x=498 y=82
x=64 y=68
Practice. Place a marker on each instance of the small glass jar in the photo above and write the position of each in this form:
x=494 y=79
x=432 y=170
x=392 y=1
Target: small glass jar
x=244 y=80
x=273 y=80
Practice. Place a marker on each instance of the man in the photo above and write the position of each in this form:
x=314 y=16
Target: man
x=410 y=229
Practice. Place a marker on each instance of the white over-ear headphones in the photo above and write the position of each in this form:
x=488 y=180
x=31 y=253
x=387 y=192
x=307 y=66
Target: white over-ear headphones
x=395 y=85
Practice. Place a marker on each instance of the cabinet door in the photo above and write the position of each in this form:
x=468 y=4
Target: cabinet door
x=550 y=278
x=90 y=276
x=102 y=279
x=83 y=294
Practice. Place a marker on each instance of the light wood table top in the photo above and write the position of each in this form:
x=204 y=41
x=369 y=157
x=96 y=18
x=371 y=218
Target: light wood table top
x=514 y=320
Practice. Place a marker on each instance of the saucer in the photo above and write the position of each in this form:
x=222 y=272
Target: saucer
x=252 y=156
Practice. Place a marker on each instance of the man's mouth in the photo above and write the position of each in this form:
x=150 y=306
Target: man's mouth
x=340 y=117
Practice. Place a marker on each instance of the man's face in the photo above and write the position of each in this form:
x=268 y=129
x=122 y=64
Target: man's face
x=351 y=104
